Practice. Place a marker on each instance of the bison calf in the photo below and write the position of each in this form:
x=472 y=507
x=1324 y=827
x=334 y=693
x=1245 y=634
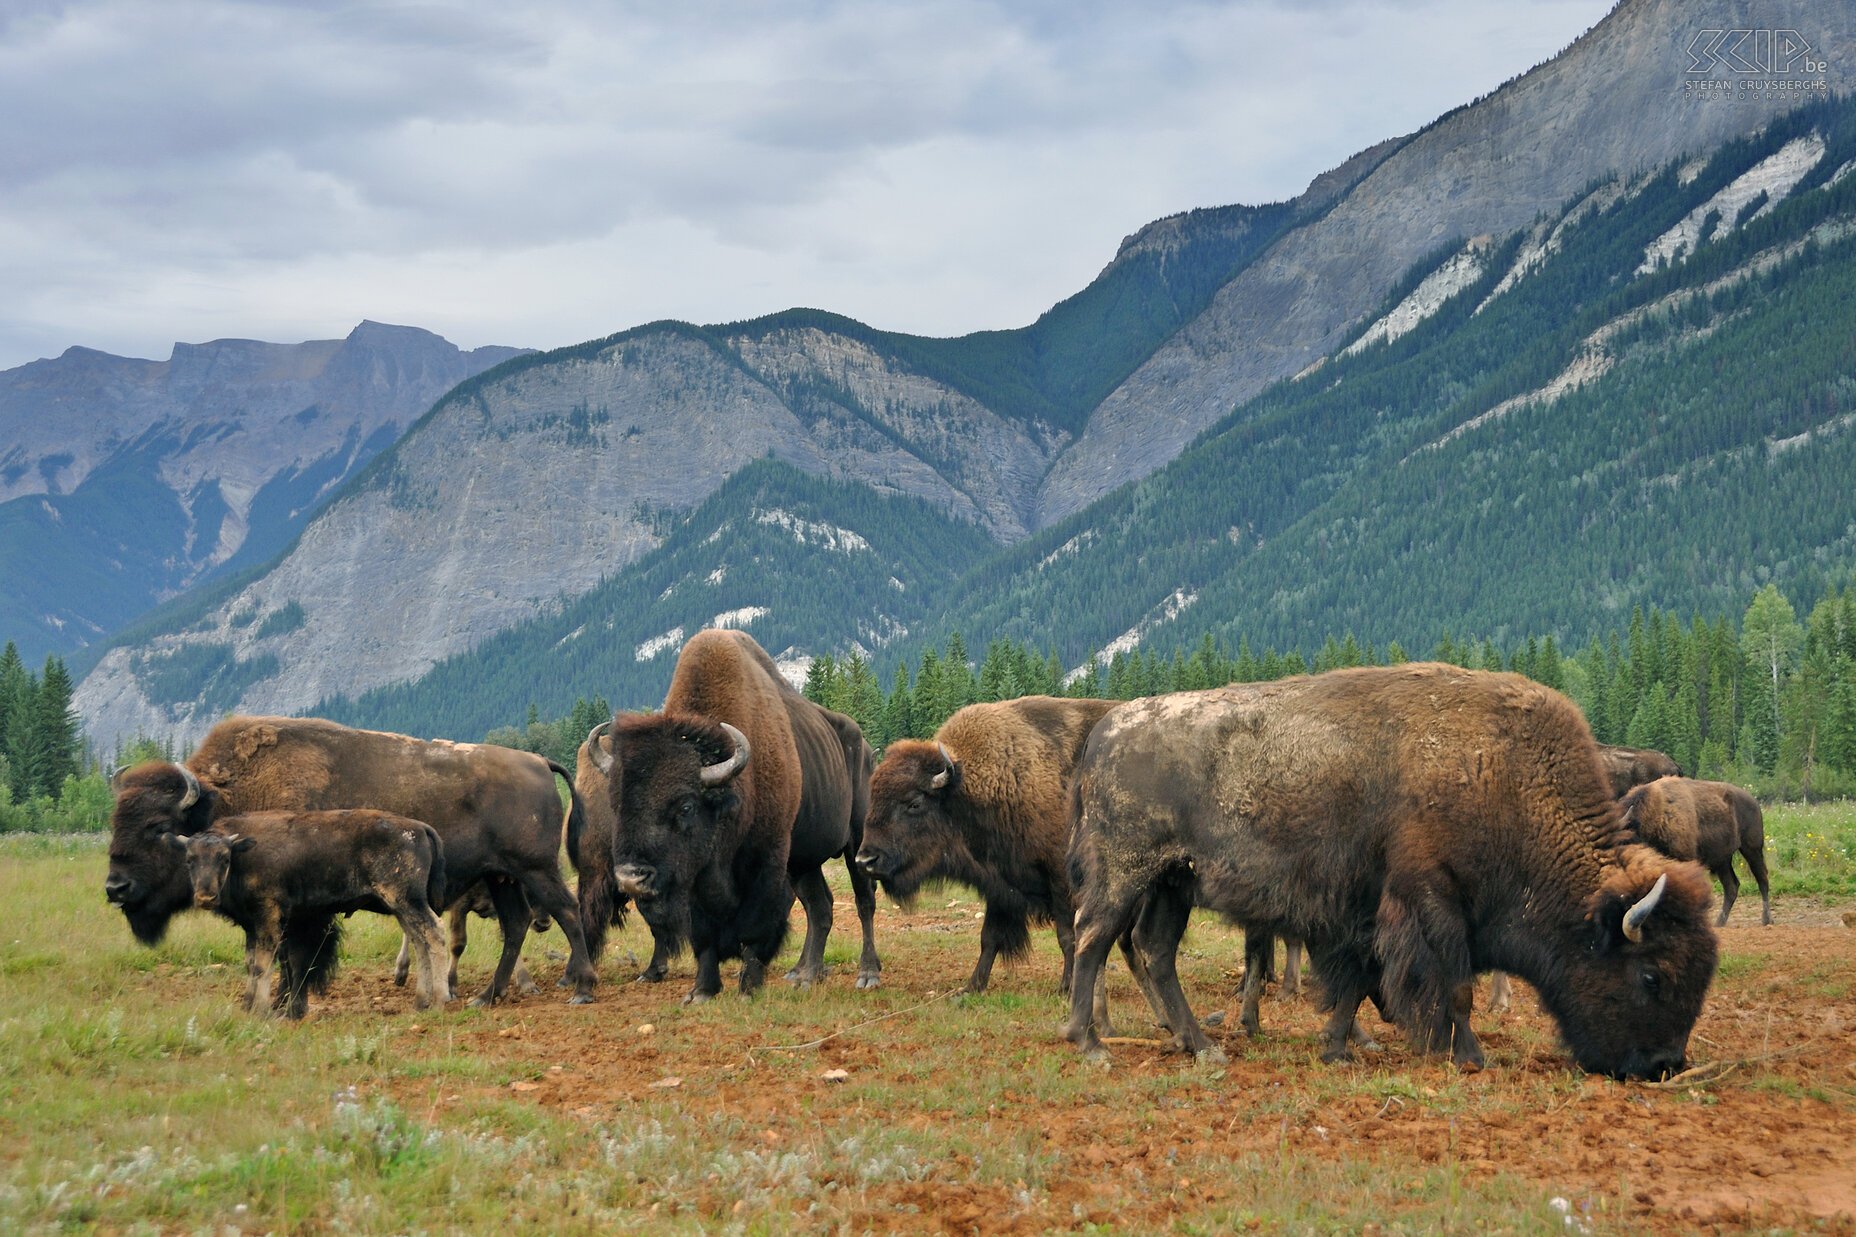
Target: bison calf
x=284 y=877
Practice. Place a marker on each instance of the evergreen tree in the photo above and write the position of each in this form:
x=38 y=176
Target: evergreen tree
x=1770 y=637
x=58 y=728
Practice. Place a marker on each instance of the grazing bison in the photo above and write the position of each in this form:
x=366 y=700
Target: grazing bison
x=1413 y=825
x=725 y=802
x=986 y=803
x=1707 y=822
x=287 y=875
x=1633 y=766
x=496 y=809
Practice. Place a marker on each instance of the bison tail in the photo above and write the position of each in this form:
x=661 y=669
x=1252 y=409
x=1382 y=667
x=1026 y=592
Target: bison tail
x=435 y=873
x=576 y=815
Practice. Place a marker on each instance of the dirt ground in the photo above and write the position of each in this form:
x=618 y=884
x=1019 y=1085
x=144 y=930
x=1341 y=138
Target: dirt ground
x=1764 y=1135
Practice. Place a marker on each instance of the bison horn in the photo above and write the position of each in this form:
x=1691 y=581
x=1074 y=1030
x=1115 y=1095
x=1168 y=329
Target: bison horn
x=602 y=760
x=1634 y=917
x=116 y=776
x=939 y=781
x=193 y=789
x=716 y=774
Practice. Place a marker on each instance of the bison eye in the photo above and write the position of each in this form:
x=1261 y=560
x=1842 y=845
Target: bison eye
x=1652 y=982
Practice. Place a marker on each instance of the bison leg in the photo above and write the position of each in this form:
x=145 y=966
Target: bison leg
x=815 y=896
x=1157 y=933
x=708 y=975
x=1730 y=888
x=1097 y=929
x=549 y=895
x=402 y=965
x=1291 y=985
x=457 y=926
x=1259 y=954
x=863 y=891
x=1754 y=851
x=1348 y=980
x=659 y=966
x=1498 y=993
x=1003 y=930
x=512 y=918
x=261 y=962
x=420 y=930
x=1424 y=943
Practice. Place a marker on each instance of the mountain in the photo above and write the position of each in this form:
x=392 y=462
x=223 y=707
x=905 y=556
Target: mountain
x=538 y=481
x=842 y=566
x=124 y=481
x=1644 y=397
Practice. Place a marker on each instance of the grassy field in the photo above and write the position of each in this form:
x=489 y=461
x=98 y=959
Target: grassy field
x=134 y=1096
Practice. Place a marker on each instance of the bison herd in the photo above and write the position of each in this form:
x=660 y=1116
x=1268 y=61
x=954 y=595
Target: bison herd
x=1413 y=825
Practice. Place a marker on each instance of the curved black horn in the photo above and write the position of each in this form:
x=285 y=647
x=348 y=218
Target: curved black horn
x=716 y=774
x=1634 y=917
x=193 y=789
x=602 y=760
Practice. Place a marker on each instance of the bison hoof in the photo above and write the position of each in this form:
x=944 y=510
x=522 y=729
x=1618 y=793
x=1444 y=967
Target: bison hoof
x=866 y=980
x=484 y=1000
x=803 y=978
x=1337 y=1056
x=693 y=997
x=649 y=977
x=580 y=998
x=563 y=982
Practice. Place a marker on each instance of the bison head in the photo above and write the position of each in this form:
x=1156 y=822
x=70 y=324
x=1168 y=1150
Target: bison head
x=148 y=877
x=911 y=833
x=209 y=862
x=1627 y=1000
x=673 y=798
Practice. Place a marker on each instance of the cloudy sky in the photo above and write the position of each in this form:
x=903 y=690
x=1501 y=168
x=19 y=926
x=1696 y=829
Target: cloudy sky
x=543 y=173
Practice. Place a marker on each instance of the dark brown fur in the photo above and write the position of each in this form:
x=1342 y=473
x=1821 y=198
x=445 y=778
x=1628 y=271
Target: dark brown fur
x=1708 y=822
x=717 y=866
x=1414 y=825
x=287 y=875
x=496 y=809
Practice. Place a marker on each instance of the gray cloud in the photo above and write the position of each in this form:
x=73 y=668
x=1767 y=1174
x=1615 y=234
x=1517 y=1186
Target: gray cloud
x=545 y=173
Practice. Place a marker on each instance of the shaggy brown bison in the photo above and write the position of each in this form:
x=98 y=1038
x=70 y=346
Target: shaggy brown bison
x=287 y=875
x=601 y=903
x=1633 y=766
x=986 y=803
x=496 y=809
x=726 y=802
x=1707 y=822
x=1413 y=825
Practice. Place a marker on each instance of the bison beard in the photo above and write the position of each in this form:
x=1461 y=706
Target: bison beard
x=1414 y=825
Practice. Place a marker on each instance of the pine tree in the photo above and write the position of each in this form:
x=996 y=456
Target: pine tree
x=58 y=728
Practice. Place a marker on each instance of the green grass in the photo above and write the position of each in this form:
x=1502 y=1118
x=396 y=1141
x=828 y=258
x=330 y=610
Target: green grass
x=1811 y=849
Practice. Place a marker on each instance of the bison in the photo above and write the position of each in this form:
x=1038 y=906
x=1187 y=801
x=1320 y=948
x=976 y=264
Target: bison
x=601 y=902
x=1413 y=825
x=1707 y=822
x=496 y=809
x=287 y=875
x=986 y=803
x=1633 y=766
x=726 y=802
